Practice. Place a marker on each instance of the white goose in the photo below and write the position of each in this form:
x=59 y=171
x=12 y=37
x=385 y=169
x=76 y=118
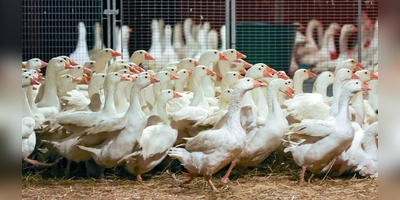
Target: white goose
x=262 y=141
x=81 y=54
x=122 y=132
x=212 y=150
x=123 y=42
x=191 y=46
x=156 y=140
x=98 y=41
x=323 y=140
x=178 y=40
x=156 y=48
x=168 y=54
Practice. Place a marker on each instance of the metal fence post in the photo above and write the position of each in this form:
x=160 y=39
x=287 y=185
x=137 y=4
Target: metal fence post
x=227 y=24
x=359 y=42
x=233 y=24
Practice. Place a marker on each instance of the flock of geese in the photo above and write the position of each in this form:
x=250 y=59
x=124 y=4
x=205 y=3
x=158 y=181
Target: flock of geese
x=207 y=112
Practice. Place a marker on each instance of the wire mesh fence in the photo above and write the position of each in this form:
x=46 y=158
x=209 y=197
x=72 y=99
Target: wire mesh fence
x=286 y=35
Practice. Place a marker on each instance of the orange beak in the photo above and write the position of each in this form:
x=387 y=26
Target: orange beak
x=72 y=62
x=289 y=92
x=115 y=53
x=354 y=76
x=358 y=66
x=124 y=78
x=23 y=65
x=373 y=76
x=247 y=65
x=306 y=40
x=87 y=71
x=240 y=55
x=190 y=72
x=138 y=68
x=34 y=87
x=173 y=77
x=40 y=77
x=34 y=82
x=222 y=57
x=147 y=56
x=266 y=73
x=177 y=95
x=283 y=76
x=195 y=63
x=44 y=64
x=154 y=79
x=130 y=30
x=311 y=75
x=355 y=29
x=240 y=76
x=133 y=78
x=210 y=72
x=75 y=80
x=365 y=87
x=258 y=83
x=218 y=78
x=68 y=66
x=88 y=78
x=242 y=71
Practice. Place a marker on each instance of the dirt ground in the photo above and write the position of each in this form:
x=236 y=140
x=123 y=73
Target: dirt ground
x=267 y=181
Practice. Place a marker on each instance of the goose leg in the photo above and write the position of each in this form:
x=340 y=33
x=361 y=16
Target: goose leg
x=139 y=178
x=225 y=179
x=102 y=177
x=190 y=177
x=208 y=179
x=37 y=163
x=303 y=171
x=68 y=168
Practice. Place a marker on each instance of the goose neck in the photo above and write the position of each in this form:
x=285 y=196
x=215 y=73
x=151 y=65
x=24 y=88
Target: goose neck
x=336 y=97
x=343 y=42
x=343 y=112
x=134 y=107
x=233 y=115
x=50 y=89
x=369 y=142
x=273 y=103
x=109 y=105
x=26 y=109
x=162 y=111
x=298 y=85
x=198 y=93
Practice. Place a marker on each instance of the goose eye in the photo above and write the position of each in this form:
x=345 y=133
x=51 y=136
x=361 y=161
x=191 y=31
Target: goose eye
x=102 y=76
x=166 y=73
x=116 y=74
x=169 y=91
x=60 y=60
x=92 y=63
x=190 y=60
x=215 y=52
x=352 y=61
x=348 y=71
x=285 y=83
x=366 y=72
x=141 y=52
x=259 y=68
x=26 y=77
x=356 y=82
x=229 y=91
x=184 y=72
x=329 y=75
x=79 y=67
x=305 y=71
x=234 y=74
x=67 y=76
x=204 y=68
x=248 y=80
x=145 y=76
x=231 y=51
x=106 y=50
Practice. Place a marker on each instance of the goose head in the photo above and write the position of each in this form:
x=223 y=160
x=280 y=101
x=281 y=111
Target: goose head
x=303 y=74
x=365 y=75
x=144 y=80
x=167 y=95
x=140 y=55
x=283 y=75
x=327 y=77
x=124 y=71
x=282 y=85
x=351 y=64
x=240 y=63
x=202 y=71
x=245 y=84
x=226 y=95
x=69 y=60
x=66 y=79
x=258 y=70
x=98 y=79
x=183 y=74
x=165 y=76
x=34 y=63
x=172 y=70
x=108 y=54
x=216 y=78
x=345 y=74
x=28 y=79
x=212 y=56
x=78 y=71
x=230 y=78
x=115 y=77
x=233 y=54
x=85 y=79
x=59 y=64
x=187 y=63
x=126 y=32
x=348 y=29
x=355 y=86
x=90 y=64
x=123 y=66
x=334 y=28
x=136 y=67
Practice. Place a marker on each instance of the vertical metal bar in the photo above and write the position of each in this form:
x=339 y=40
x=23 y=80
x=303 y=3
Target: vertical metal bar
x=278 y=11
x=360 y=45
x=233 y=24
x=114 y=23
x=227 y=23
x=109 y=26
